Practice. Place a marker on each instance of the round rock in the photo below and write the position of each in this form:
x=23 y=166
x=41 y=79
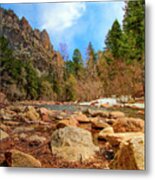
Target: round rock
x=73 y=144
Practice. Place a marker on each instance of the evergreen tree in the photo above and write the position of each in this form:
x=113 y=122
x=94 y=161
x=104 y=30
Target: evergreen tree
x=33 y=83
x=78 y=62
x=113 y=39
x=134 y=28
x=91 y=60
x=69 y=67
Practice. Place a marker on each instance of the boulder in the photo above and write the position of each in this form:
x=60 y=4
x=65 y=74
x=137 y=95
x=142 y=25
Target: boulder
x=99 y=123
x=67 y=122
x=17 y=158
x=3 y=135
x=129 y=125
x=31 y=114
x=82 y=118
x=107 y=130
x=116 y=114
x=130 y=156
x=44 y=113
x=116 y=138
x=73 y=144
x=100 y=113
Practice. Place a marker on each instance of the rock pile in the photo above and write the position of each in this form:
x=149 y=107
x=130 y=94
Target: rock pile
x=76 y=138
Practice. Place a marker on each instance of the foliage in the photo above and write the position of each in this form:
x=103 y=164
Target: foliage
x=134 y=25
x=69 y=66
x=71 y=88
x=17 y=74
x=77 y=62
x=91 y=53
x=32 y=86
x=113 y=39
x=46 y=91
x=128 y=44
x=116 y=70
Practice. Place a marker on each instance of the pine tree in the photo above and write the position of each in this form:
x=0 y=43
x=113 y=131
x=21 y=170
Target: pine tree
x=113 y=39
x=78 y=62
x=69 y=67
x=134 y=28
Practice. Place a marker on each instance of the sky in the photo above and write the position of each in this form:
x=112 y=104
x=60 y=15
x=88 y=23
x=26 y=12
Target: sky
x=74 y=24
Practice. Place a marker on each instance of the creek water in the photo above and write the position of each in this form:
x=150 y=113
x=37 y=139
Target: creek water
x=72 y=108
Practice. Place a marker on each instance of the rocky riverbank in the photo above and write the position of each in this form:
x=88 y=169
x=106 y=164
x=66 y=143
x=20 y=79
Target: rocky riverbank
x=34 y=136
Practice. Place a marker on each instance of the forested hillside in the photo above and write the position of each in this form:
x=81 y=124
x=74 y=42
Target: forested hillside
x=31 y=69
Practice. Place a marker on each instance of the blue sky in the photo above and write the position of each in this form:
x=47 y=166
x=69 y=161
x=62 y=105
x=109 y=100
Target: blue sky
x=75 y=24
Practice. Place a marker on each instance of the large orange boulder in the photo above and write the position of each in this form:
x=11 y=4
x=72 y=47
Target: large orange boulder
x=129 y=125
x=130 y=156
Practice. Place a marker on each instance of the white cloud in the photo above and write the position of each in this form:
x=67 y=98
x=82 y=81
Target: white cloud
x=65 y=23
x=59 y=17
x=60 y=20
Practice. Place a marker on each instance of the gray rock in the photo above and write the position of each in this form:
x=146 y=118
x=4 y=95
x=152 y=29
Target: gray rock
x=73 y=144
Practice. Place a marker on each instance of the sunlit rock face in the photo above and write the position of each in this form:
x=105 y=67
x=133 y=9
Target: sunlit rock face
x=28 y=43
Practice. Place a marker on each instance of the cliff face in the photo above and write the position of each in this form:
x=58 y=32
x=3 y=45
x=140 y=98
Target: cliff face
x=26 y=42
